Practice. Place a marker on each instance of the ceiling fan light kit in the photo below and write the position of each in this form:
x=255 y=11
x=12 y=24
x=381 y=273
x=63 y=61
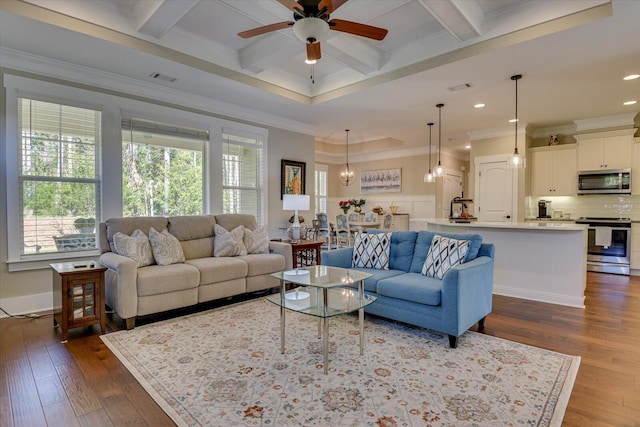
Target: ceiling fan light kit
x=311 y=24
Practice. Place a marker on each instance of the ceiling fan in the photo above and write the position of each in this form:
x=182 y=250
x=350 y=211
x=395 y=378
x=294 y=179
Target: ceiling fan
x=311 y=24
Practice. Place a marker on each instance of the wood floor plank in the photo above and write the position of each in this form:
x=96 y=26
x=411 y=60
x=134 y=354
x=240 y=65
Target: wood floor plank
x=80 y=394
x=25 y=402
x=61 y=414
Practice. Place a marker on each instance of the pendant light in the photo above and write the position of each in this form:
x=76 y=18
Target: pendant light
x=428 y=177
x=347 y=171
x=439 y=170
x=516 y=160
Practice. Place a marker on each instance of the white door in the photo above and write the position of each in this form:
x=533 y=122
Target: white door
x=495 y=191
x=451 y=187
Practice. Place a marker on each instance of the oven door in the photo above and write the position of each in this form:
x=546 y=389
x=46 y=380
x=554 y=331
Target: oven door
x=617 y=253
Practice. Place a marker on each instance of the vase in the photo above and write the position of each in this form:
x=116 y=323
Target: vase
x=345 y=210
x=357 y=209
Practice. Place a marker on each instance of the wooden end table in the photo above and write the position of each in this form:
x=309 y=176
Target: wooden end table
x=306 y=252
x=78 y=295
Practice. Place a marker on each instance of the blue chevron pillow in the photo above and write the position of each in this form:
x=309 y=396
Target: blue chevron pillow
x=444 y=253
x=372 y=250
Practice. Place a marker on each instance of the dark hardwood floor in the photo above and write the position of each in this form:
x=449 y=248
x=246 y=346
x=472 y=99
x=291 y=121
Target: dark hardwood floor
x=80 y=383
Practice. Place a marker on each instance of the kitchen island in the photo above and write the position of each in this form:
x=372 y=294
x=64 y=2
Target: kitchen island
x=540 y=261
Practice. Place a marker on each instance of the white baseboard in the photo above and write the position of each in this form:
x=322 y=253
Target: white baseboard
x=534 y=295
x=27 y=304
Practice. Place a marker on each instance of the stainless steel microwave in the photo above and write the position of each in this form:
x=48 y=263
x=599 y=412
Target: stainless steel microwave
x=605 y=182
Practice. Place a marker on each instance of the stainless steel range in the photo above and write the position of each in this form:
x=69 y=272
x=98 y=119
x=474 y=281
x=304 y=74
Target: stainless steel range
x=609 y=244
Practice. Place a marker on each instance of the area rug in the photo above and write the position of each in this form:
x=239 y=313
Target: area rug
x=224 y=368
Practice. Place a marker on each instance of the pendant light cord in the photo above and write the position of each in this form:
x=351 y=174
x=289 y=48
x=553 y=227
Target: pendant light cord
x=347 y=131
x=516 y=78
x=430 y=129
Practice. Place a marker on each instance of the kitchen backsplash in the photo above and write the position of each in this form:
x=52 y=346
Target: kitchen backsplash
x=600 y=205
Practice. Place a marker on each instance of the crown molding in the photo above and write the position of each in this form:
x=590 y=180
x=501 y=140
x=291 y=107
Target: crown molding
x=76 y=75
x=338 y=158
x=596 y=123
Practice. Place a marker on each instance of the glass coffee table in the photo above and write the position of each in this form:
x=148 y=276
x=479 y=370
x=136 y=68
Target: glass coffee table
x=322 y=292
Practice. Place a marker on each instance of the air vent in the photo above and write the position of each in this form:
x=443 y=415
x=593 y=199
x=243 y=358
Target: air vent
x=162 y=77
x=460 y=87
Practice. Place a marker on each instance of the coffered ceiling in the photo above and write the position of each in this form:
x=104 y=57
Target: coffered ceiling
x=573 y=55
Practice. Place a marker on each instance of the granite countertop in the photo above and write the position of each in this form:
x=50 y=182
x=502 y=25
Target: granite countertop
x=529 y=225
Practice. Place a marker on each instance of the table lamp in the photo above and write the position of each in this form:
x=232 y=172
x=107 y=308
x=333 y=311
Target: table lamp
x=295 y=202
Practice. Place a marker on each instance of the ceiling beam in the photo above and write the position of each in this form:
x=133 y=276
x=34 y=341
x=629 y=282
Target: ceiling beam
x=463 y=19
x=267 y=51
x=155 y=18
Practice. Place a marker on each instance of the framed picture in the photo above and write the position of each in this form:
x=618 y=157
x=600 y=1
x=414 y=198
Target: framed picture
x=293 y=177
x=381 y=181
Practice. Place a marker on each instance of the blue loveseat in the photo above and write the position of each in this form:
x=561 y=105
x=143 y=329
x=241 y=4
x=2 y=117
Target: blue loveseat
x=451 y=305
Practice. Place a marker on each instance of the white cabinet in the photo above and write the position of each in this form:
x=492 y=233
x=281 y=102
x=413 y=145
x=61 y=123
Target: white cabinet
x=635 y=172
x=605 y=150
x=399 y=222
x=635 y=246
x=553 y=171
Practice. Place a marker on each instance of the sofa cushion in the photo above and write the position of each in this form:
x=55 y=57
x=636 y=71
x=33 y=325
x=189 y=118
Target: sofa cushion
x=423 y=243
x=195 y=233
x=166 y=248
x=256 y=241
x=129 y=224
x=221 y=269
x=444 y=254
x=259 y=264
x=402 y=247
x=229 y=243
x=412 y=287
x=371 y=284
x=136 y=247
x=160 y=279
x=372 y=250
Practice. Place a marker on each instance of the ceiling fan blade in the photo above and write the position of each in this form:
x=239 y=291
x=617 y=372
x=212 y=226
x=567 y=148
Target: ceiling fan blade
x=358 y=29
x=331 y=5
x=290 y=4
x=313 y=51
x=265 y=29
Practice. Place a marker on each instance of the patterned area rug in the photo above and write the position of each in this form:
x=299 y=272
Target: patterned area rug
x=224 y=368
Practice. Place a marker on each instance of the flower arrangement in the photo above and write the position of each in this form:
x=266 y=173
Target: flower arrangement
x=358 y=202
x=345 y=205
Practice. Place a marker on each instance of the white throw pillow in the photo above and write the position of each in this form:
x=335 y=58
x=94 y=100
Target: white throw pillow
x=256 y=241
x=372 y=250
x=229 y=243
x=136 y=247
x=166 y=247
x=444 y=253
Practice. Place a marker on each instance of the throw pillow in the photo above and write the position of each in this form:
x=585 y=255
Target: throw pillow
x=166 y=247
x=135 y=247
x=229 y=243
x=444 y=253
x=256 y=241
x=372 y=250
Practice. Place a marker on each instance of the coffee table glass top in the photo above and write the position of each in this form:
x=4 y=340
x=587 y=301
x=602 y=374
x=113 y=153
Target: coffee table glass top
x=309 y=297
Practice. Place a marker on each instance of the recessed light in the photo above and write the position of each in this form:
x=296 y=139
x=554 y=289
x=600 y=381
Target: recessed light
x=631 y=77
x=468 y=146
x=480 y=105
x=513 y=120
x=629 y=102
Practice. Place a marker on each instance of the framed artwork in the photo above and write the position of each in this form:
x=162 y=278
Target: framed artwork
x=293 y=177
x=381 y=181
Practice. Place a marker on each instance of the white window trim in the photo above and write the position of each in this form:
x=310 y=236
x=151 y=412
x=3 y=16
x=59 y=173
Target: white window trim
x=112 y=107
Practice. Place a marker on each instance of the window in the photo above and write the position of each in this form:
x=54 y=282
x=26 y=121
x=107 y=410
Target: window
x=58 y=177
x=321 y=188
x=162 y=170
x=242 y=173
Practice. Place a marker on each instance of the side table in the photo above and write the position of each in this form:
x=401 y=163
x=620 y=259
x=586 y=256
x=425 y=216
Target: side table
x=78 y=295
x=306 y=252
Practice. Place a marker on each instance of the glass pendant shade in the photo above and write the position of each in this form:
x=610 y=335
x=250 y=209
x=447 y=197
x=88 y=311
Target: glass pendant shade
x=439 y=171
x=428 y=177
x=516 y=160
x=347 y=173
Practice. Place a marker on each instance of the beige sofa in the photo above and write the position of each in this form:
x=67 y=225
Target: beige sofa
x=137 y=291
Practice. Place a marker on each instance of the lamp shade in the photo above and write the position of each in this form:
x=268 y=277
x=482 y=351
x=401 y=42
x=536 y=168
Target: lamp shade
x=295 y=202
